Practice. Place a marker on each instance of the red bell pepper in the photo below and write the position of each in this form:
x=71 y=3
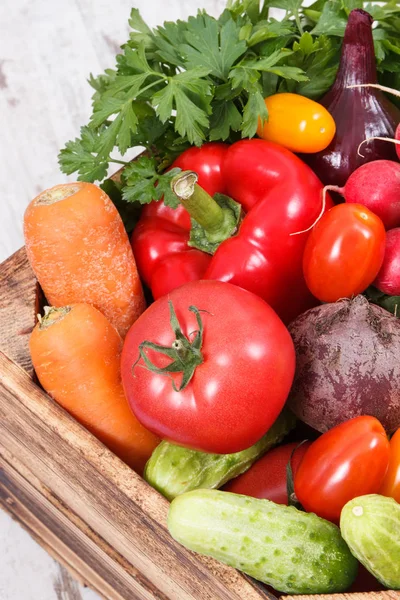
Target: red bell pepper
x=280 y=196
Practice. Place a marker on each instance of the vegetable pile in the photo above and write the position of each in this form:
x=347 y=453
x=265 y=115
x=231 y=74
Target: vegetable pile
x=205 y=79
x=236 y=340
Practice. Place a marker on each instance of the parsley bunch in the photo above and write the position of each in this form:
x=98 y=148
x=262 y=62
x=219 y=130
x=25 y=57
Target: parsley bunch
x=205 y=79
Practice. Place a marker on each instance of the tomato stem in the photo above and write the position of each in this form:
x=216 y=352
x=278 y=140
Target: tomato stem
x=185 y=355
x=213 y=219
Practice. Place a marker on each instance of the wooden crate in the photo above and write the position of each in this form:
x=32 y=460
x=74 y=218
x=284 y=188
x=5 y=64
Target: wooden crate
x=90 y=511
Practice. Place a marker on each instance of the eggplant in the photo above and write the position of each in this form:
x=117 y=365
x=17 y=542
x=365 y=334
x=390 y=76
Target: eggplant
x=359 y=112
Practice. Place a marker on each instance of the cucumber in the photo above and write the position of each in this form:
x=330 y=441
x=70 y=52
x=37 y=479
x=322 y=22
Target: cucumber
x=293 y=551
x=173 y=470
x=371 y=527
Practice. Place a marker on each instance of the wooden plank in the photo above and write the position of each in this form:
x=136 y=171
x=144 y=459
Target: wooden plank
x=113 y=500
x=19 y=303
x=62 y=534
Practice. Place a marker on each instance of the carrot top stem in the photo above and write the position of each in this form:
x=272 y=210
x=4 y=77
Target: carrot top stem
x=52 y=315
x=56 y=194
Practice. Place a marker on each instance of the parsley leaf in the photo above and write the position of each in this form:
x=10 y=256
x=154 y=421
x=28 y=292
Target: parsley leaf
x=210 y=46
x=143 y=183
x=268 y=64
x=254 y=109
x=184 y=93
x=333 y=20
x=318 y=57
x=225 y=118
x=271 y=29
x=81 y=155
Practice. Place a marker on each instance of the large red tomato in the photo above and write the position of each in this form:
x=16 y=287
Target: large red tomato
x=221 y=372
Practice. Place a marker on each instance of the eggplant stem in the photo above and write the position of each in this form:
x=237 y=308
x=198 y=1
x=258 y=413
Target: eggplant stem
x=371 y=139
x=332 y=188
x=383 y=88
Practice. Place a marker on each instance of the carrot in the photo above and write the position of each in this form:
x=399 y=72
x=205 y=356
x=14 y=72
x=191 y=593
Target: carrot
x=80 y=252
x=76 y=355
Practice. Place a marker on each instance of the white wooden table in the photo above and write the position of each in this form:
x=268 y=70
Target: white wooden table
x=47 y=50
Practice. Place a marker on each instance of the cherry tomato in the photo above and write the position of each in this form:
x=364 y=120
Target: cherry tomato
x=238 y=358
x=347 y=461
x=344 y=252
x=391 y=483
x=267 y=478
x=298 y=123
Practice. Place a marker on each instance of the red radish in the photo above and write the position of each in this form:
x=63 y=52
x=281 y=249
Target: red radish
x=375 y=185
x=388 y=278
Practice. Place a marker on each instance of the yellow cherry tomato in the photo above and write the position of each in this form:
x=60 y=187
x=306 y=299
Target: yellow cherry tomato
x=297 y=123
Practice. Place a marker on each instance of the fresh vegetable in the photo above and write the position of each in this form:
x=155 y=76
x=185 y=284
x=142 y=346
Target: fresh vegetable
x=347 y=461
x=294 y=552
x=371 y=527
x=79 y=251
x=268 y=477
x=359 y=112
x=173 y=470
x=297 y=123
x=344 y=252
x=216 y=365
x=391 y=483
x=346 y=364
x=160 y=240
x=375 y=185
x=205 y=79
x=280 y=194
x=388 y=278
x=76 y=355
x=396 y=139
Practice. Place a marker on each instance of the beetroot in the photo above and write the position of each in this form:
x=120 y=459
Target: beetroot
x=347 y=364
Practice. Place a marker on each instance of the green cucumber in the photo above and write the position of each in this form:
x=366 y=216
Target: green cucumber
x=371 y=527
x=293 y=551
x=173 y=470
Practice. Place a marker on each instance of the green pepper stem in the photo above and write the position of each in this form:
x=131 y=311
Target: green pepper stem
x=199 y=204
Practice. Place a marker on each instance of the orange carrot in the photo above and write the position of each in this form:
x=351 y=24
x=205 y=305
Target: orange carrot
x=76 y=355
x=80 y=252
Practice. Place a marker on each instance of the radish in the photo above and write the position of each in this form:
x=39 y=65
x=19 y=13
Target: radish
x=375 y=185
x=388 y=278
